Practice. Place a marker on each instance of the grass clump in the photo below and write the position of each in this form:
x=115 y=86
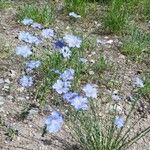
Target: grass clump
x=116 y=17
x=99 y=132
x=43 y=14
x=121 y=12
x=136 y=43
x=77 y=6
x=5 y=4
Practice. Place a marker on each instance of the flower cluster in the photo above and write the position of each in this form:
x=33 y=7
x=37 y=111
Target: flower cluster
x=63 y=84
x=80 y=101
x=29 y=38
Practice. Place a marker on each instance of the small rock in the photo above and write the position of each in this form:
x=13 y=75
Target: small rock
x=1 y=81
x=130 y=98
x=33 y=111
x=92 y=61
x=2 y=99
x=93 y=53
x=21 y=99
x=6 y=88
x=91 y=72
x=12 y=74
x=10 y=97
x=7 y=81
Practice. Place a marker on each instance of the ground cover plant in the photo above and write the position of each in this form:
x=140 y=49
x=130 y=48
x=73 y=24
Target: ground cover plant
x=76 y=88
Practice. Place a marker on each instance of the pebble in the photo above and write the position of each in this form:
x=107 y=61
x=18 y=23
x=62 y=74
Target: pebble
x=91 y=72
x=12 y=74
x=33 y=111
x=6 y=88
x=21 y=99
x=2 y=99
x=10 y=97
x=92 y=61
x=1 y=81
x=7 y=81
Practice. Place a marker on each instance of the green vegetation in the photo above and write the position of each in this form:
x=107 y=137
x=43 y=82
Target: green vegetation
x=5 y=4
x=77 y=6
x=43 y=14
x=98 y=132
x=136 y=43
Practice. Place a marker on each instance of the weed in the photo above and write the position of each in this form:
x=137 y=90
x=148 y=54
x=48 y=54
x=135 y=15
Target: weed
x=117 y=17
x=43 y=14
x=136 y=43
x=101 y=65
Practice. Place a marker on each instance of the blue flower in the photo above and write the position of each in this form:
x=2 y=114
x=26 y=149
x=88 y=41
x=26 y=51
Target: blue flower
x=80 y=103
x=119 y=122
x=72 y=41
x=65 y=51
x=54 y=122
x=27 y=21
x=26 y=81
x=23 y=50
x=72 y=14
x=46 y=33
x=29 y=38
x=59 y=44
x=90 y=90
x=69 y=97
x=32 y=65
x=62 y=86
x=67 y=75
x=36 y=25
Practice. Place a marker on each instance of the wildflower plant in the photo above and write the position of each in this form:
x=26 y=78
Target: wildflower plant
x=61 y=75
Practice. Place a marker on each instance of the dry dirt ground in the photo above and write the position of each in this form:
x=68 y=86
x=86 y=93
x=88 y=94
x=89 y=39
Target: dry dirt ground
x=27 y=134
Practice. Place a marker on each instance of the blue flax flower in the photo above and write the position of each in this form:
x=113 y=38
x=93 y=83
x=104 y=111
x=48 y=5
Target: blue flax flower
x=29 y=38
x=90 y=90
x=68 y=74
x=32 y=65
x=65 y=51
x=59 y=44
x=36 y=25
x=72 y=41
x=54 y=122
x=119 y=122
x=47 y=33
x=80 y=103
x=62 y=86
x=23 y=50
x=27 y=21
x=26 y=81
x=69 y=97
